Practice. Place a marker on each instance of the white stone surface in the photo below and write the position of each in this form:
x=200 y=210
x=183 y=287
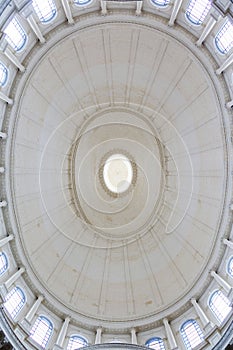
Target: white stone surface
x=139 y=255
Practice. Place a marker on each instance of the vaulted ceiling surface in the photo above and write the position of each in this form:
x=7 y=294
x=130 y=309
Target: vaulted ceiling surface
x=104 y=90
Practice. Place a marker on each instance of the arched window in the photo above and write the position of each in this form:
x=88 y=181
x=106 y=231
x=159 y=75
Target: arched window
x=161 y=2
x=41 y=331
x=230 y=267
x=155 y=343
x=219 y=305
x=76 y=342
x=82 y=2
x=224 y=38
x=3 y=263
x=191 y=333
x=45 y=9
x=3 y=74
x=15 y=35
x=15 y=301
x=197 y=10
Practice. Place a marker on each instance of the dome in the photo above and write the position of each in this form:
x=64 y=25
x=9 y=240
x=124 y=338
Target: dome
x=116 y=175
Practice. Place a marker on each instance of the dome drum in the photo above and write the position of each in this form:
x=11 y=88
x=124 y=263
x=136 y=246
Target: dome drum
x=116 y=172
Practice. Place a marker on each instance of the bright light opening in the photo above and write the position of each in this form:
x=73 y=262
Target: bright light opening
x=220 y=305
x=191 y=334
x=118 y=173
x=46 y=10
x=41 y=331
x=15 y=35
x=224 y=38
x=15 y=300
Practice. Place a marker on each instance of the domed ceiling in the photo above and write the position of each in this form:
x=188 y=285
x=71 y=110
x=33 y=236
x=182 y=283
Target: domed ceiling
x=117 y=173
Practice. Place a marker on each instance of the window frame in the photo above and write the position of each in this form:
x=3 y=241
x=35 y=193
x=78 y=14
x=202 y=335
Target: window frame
x=163 y=6
x=186 y=338
x=40 y=15
x=77 y=336
x=204 y=13
x=230 y=273
x=86 y=3
x=158 y=340
x=216 y=40
x=17 y=309
x=6 y=72
x=15 y=22
x=5 y=266
x=46 y=338
x=219 y=292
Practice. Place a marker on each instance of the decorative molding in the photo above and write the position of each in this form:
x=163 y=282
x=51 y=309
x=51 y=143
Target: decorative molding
x=116 y=346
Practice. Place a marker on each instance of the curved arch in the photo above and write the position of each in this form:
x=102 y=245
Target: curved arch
x=45 y=10
x=191 y=334
x=230 y=266
x=161 y=3
x=224 y=38
x=197 y=10
x=14 y=301
x=155 y=343
x=76 y=342
x=3 y=74
x=41 y=331
x=15 y=35
x=82 y=2
x=3 y=263
x=220 y=305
